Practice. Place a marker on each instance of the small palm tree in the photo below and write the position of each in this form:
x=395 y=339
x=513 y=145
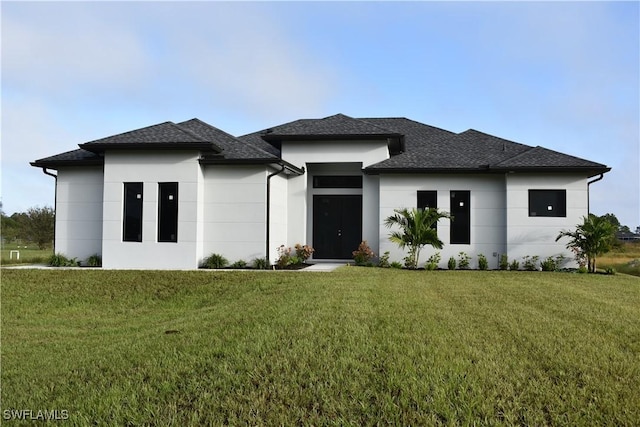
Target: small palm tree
x=416 y=231
x=592 y=238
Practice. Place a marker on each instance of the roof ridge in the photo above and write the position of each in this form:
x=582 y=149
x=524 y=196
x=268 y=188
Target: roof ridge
x=234 y=138
x=195 y=135
x=386 y=130
x=129 y=132
x=494 y=136
x=411 y=121
x=511 y=158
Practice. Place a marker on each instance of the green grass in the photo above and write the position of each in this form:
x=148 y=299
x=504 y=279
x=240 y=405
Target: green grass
x=625 y=259
x=28 y=255
x=354 y=347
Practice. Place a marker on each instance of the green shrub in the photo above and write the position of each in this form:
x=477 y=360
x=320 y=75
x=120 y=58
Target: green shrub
x=452 y=263
x=215 y=261
x=583 y=269
x=610 y=270
x=504 y=262
x=433 y=261
x=530 y=263
x=548 y=264
x=364 y=254
x=410 y=262
x=383 y=262
x=483 y=264
x=239 y=264
x=515 y=265
x=463 y=261
x=552 y=264
x=60 y=260
x=261 y=264
x=286 y=256
x=94 y=260
x=395 y=264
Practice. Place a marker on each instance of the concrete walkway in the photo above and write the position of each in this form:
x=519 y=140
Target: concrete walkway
x=323 y=266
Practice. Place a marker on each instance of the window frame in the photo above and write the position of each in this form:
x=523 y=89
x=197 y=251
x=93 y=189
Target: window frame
x=555 y=201
x=168 y=200
x=460 y=231
x=423 y=199
x=422 y=195
x=132 y=211
x=337 y=181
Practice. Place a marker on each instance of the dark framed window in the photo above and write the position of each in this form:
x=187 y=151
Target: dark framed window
x=337 y=181
x=551 y=203
x=167 y=212
x=460 y=231
x=428 y=199
x=132 y=222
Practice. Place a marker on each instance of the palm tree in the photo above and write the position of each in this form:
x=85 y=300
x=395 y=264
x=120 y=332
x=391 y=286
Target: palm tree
x=592 y=238
x=416 y=231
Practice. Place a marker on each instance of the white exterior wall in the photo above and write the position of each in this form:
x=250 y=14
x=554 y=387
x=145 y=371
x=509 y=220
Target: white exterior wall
x=536 y=235
x=335 y=156
x=151 y=168
x=487 y=213
x=371 y=211
x=278 y=216
x=235 y=211
x=79 y=211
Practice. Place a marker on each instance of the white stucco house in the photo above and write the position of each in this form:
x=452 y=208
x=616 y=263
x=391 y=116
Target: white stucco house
x=166 y=196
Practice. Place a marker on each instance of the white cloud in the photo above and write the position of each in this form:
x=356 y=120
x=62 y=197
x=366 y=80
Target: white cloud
x=240 y=56
x=66 y=48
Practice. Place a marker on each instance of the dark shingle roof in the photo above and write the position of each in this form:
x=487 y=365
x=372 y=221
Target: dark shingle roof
x=74 y=157
x=539 y=157
x=231 y=147
x=414 y=147
x=471 y=151
x=337 y=126
x=165 y=135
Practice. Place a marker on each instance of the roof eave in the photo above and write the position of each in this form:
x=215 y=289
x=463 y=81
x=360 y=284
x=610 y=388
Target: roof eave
x=259 y=161
x=200 y=146
x=270 y=137
x=55 y=164
x=591 y=171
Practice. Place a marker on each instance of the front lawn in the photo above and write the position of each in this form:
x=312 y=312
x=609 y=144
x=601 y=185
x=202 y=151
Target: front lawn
x=355 y=347
x=27 y=254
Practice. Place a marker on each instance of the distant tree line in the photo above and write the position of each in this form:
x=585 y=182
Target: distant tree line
x=613 y=220
x=36 y=225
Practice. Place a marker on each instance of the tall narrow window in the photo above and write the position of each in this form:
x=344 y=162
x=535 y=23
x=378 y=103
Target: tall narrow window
x=461 y=213
x=426 y=200
x=168 y=212
x=132 y=224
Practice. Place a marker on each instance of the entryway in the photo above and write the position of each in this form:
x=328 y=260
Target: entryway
x=337 y=225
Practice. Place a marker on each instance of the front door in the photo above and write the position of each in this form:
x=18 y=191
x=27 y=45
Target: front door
x=337 y=226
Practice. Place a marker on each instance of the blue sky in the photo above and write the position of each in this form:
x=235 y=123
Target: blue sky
x=565 y=76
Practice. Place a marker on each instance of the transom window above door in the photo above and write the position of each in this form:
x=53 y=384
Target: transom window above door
x=337 y=181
